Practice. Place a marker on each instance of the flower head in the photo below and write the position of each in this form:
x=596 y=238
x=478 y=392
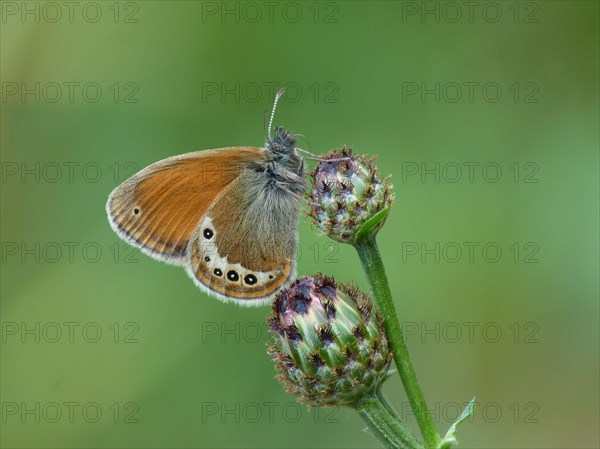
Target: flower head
x=347 y=193
x=330 y=346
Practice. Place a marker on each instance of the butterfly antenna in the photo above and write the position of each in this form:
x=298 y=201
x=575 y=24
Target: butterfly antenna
x=307 y=142
x=277 y=97
x=265 y=112
x=315 y=157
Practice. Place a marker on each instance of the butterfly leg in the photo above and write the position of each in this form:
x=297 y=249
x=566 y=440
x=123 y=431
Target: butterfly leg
x=284 y=186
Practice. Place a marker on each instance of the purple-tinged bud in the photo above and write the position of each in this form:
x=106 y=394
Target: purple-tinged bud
x=330 y=346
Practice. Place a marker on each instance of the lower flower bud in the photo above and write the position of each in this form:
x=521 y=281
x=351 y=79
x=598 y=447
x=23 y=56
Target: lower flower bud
x=330 y=346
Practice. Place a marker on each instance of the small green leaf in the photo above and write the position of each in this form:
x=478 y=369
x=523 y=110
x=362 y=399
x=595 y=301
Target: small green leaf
x=371 y=224
x=450 y=439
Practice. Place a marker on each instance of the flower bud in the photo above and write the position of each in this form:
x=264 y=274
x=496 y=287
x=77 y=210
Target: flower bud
x=347 y=192
x=330 y=346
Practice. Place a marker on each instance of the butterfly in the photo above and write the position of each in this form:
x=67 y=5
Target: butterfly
x=229 y=216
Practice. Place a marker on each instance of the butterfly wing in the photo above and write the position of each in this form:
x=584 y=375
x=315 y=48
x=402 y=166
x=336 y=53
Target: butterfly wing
x=159 y=208
x=245 y=246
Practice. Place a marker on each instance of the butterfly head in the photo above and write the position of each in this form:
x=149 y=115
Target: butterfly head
x=282 y=142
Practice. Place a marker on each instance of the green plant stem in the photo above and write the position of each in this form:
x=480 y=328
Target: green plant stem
x=375 y=272
x=386 y=404
x=383 y=400
x=387 y=428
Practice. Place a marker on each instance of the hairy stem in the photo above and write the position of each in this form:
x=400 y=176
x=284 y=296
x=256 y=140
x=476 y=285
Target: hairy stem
x=387 y=428
x=386 y=404
x=375 y=272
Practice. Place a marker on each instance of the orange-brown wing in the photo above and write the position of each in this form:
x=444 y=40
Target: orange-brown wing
x=158 y=208
x=244 y=249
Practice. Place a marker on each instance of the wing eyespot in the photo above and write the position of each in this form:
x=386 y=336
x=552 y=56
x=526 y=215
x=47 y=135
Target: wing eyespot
x=233 y=276
x=250 y=279
x=208 y=233
x=218 y=272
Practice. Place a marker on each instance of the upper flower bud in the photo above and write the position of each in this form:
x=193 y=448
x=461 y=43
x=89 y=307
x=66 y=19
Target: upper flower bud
x=330 y=345
x=347 y=193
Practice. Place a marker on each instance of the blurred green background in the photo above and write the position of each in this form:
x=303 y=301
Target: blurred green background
x=93 y=91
